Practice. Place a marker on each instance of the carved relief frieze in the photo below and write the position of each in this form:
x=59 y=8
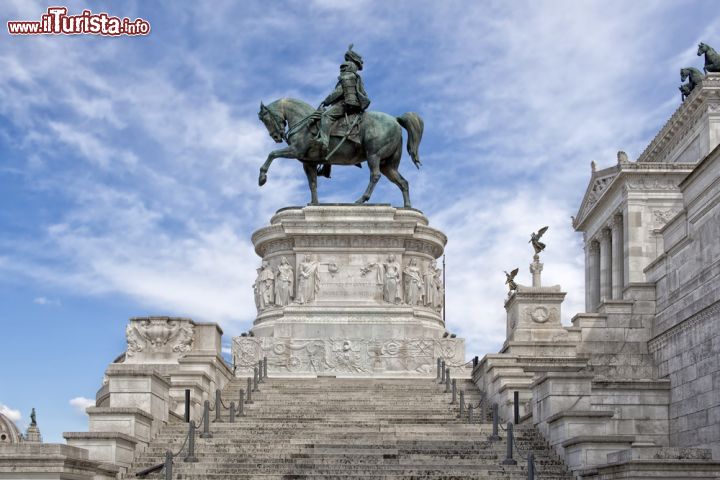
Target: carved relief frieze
x=346 y=356
x=650 y=183
x=685 y=327
x=277 y=246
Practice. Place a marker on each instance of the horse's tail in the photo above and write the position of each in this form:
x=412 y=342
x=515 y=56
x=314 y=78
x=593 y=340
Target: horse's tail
x=414 y=125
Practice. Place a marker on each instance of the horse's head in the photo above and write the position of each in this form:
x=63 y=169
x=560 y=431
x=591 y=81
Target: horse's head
x=274 y=123
x=684 y=74
x=702 y=48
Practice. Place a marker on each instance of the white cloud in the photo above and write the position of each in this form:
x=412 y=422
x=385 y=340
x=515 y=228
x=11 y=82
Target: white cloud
x=46 y=301
x=12 y=414
x=81 y=403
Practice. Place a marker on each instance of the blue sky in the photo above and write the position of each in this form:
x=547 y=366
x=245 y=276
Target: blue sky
x=128 y=166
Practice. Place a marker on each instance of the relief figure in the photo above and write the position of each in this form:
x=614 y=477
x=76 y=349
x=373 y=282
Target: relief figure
x=388 y=275
x=284 y=280
x=308 y=281
x=265 y=285
x=413 y=284
x=433 y=287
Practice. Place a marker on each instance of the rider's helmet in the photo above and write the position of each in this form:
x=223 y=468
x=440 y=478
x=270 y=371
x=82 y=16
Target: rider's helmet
x=354 y=57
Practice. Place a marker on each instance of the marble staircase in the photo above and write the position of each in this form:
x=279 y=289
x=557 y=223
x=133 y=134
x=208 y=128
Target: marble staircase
x=352 y=428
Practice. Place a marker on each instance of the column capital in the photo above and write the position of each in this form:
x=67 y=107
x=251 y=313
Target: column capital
x=604 y=234
x=593 y=246
x=617 y=220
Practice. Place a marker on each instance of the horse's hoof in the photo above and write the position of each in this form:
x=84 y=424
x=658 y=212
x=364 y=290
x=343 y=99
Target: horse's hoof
x=360 y=201
x=262 y=179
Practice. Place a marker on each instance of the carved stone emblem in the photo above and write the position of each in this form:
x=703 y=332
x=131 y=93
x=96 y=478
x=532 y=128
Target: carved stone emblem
x=540 y=315
x=664 y=216
x=159 y=334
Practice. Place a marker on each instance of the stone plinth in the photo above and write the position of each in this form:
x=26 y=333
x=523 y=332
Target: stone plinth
x=33 y=434
x=349 y=290
x=533 y=314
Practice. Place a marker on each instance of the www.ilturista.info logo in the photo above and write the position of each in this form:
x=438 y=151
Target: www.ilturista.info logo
x=57 y=22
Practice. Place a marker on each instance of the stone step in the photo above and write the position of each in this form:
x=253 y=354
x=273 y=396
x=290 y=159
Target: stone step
x=351 y=428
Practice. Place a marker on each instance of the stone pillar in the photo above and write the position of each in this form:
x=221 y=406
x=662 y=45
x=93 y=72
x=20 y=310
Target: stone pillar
x=536 y=269
x=592 y=275
x=605 y=265
x=618 y=282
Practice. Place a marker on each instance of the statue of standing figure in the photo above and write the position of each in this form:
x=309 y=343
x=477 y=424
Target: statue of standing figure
x=284 y=280
x=434 y=287
x=308 y=281
x=33 y=418
x=413 y=284
x=265 y=286
x=388 y=275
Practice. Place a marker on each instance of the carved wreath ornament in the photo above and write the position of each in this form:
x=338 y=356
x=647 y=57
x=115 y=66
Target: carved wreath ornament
x=540 y=315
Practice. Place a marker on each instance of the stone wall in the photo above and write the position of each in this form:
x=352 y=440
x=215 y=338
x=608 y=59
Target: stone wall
x=686 y=342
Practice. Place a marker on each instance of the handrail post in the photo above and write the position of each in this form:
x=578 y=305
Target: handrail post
x=265 y=367
x=470 y=413
x=509 y=453
x=447 y=380
x=218 y=405
x=454 y=392
x=168 y=464
x=439 y=368
x=483 y=409
x=249 y=400
x=442 y=372
x=462 y=403
x=241 y=404
x=206 y=420
x=255 y=387
x=260 y=372
x=232 y=411
x=516 y=407
x=187 y=405
x=531 y=466
x=494 y=437
x=190 y=457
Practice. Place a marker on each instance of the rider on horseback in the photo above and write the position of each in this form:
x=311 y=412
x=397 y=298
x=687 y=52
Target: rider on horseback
x=349 y=97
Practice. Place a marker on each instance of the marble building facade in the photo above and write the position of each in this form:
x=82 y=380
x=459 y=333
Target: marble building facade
x=632 y=388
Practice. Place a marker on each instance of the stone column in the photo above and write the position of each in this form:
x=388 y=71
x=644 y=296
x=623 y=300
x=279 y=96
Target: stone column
x=618 y=282
x=592 y=275
x=605 y=265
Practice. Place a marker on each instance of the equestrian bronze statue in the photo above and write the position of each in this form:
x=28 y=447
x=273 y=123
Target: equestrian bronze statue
x=342 y=132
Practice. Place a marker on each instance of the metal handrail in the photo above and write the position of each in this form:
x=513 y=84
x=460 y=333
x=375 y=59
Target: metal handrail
x=170 y=456
x=528 y=456
x=189 y=440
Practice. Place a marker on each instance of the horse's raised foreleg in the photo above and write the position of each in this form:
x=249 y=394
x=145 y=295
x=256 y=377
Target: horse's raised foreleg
x=287 y=152
x=311 y=172
x=374 y=166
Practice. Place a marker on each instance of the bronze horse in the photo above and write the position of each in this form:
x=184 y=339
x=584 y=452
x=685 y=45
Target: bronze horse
x=712 y=58
x=381 y=144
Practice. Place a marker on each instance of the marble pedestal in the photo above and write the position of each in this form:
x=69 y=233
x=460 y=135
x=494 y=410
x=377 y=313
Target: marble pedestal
x=355 y=291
